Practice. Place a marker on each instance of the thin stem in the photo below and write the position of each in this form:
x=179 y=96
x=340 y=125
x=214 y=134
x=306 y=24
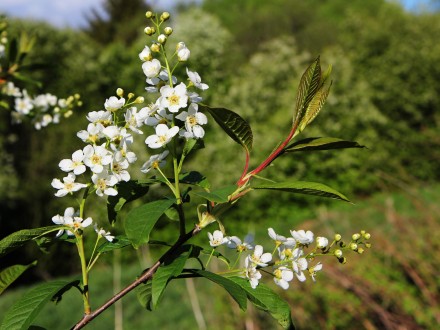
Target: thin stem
x=142 y=279
x=209 y=259
x=85 y=278
x=90 y=264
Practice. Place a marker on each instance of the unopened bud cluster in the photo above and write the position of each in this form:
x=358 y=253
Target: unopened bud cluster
x=296 y=254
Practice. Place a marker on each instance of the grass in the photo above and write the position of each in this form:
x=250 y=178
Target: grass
x=390 y=286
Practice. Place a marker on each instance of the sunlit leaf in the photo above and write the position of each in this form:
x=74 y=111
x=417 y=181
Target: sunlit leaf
x=304 y=187
x=218 y=196
x=19 y=238
x=118 y=242
x=314 y=107
x=10 y=274
x=26 y=309
x=234 y=289
x=267 y=300
x=141 y=220
x=127 y=192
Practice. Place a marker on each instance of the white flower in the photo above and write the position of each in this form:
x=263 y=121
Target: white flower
x=145 y=54
x=216 y=238
x=118 y=136
x=93 y=133
x=135 y=119
x=102 y=233
x=75 y=164
x=113 y=103
x=104 y=184
x=96 y=157
x=321 y=242
x=182 y=52
x=259 y=258
x=67 y=186
x=280 y=239
x=235 y=243
x=119 y=167
x=302 y=237
x=162 y=77
x=159 y=117
x=282 y=277
x=193 y=120
x=252 y=274
x=194 y=77
x=102 y=117
x=299 y=264
x=11 y=90
x=162 y=137
x=314 y=269
x=151 y=68
x=23 y=105
x=155 y=161
x=71 y=219
x=173 y=98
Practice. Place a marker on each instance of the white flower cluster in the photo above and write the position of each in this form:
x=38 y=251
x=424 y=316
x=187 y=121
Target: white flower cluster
x=293 y=261
x=43 y=109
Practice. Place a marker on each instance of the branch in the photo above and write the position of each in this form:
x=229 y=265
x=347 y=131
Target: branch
x=142 y=279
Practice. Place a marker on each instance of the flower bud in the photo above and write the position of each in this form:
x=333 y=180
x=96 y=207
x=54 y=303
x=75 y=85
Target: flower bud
x=360 y=250
x=338 y=237
x=168 y=30
x=155 y=47
x=321 y=242
x=149 y=14
x=165 y=15
x=368 y=245
x=355 y=237
x=353 y=246
x=130 y=95
x=120 y=92
x=338 y=253
x=367 y=236
x=162 y=38
x=149 y=30
x=139 y=99
x=205 y=219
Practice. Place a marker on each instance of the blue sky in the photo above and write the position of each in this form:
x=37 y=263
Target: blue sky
x=70 y=13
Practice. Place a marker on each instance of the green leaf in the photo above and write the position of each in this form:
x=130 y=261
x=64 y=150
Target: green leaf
x=170 y=268
x=59 y=295
x=141 y=220
x=13 y=50
x=309 y=84
x=314 y=107
x=192 y=144
x=24 y=311
x=118 y=242
x=235 y=126
x=195 y=178
x=304 y=187
x=218 y=196
x=127 y=192
x=19 y=238
x=267 y=300
x=10 y=274
x=234 y=289
x=321 y=143
x=144 y=295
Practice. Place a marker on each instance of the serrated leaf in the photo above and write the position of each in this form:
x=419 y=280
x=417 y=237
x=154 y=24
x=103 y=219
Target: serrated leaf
x=10 y=274
x=171 y=268
x=217 y=196
x=234 y=125
x=19 y=238
x=234 y=289
x=141 y=220
x=127 y=192
x=266 y=299
x=309 y=84
x=321 y=143
x=144 y=295
x=118 y=242
x=314 y=107
x=24 y=311
x=304 y=187
x=195 y=178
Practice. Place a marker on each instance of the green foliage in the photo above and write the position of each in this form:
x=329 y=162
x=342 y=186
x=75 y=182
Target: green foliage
x=10 y=274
